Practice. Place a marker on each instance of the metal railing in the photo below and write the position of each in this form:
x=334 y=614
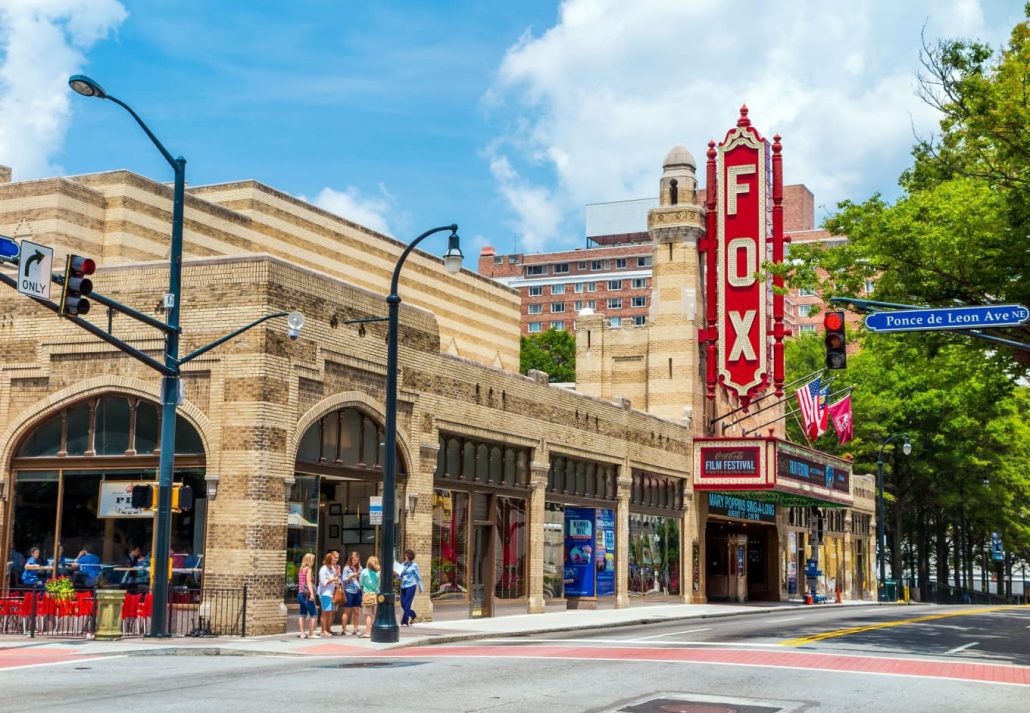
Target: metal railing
x=947 y=594
x=190 y=612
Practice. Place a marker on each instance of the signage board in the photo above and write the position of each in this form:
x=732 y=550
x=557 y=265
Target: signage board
x=921 y=320
x=579 y=552
x=116 y=499
x=997 y=548
x=743 y=223
x=726 y=464
x=34 y=268
x=604 y=550
x=809 y=467
x=739 y=508
x=375 y=510
x=9 y=249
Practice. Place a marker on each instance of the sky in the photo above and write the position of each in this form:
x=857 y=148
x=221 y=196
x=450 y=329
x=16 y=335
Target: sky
x=504 y=117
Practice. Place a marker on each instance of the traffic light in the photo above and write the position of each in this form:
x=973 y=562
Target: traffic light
x=76 y=285
x=182 y=497
x=836 y=351
x=143 y=496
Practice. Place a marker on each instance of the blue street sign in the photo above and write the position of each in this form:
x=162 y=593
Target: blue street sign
x=9 y=249
x=997 y=548
x=920 y=320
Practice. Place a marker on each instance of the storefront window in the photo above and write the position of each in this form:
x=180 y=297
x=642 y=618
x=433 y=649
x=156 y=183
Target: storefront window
x=510 y=548
x=554 y=550
x=450 y=545
x=301 y=528
x=654 y=555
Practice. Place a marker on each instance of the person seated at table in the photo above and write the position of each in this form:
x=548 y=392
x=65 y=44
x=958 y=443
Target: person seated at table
x=86 y=568
x=136 y=570
x=36 y=569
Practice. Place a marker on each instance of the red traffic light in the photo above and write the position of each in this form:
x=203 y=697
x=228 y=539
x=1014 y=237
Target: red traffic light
x=833 y=321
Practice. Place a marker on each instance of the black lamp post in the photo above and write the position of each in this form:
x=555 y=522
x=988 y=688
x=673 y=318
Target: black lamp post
x=881 y=545
x=385 y=629
x=172 y=372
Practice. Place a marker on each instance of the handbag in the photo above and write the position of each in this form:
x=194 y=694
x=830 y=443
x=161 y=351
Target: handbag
x=338 y=597
x=368 y=599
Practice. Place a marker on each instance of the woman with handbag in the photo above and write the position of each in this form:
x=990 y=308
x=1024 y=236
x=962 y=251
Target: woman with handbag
x=352 y=592
x=327 y=581
x=306 y=597
x=369 y=592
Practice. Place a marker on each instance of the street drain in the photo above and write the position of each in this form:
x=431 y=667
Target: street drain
x=672 y=705
x=378 y=664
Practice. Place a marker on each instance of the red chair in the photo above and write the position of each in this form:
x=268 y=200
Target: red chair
x=11 y=611
x=85 y=605
x=144 y=611
x=130 y=611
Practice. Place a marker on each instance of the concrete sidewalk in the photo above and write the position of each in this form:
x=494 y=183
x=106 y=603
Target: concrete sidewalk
x=430 y=633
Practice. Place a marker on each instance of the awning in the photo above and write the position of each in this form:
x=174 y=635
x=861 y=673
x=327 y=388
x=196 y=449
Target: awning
x=770 y=469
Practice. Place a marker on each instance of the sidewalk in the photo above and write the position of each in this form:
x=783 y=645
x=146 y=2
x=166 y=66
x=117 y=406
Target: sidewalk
x=420 y=634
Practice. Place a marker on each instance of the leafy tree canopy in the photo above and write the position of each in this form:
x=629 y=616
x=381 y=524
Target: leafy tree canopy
x=552 y=351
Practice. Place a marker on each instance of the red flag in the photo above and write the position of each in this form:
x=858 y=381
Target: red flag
x=840 y=413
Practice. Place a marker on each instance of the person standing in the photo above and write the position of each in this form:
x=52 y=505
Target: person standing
x=352 y=591
x=410 y=579
x=369 y=593
x=306 y=597
x=327 y=581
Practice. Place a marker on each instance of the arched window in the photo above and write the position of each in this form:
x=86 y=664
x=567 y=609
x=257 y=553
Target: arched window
x=348 y=439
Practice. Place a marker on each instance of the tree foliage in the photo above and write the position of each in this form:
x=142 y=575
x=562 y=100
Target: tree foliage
x=553 y=351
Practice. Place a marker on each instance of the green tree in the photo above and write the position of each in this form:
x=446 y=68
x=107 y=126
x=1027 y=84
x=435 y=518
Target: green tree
x=553 y=351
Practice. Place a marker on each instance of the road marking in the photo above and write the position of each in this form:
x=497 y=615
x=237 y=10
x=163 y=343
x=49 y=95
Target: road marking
x=5 y=669
x=801 y=641
x=780 y=621
x=672 y=633
x=970 y=645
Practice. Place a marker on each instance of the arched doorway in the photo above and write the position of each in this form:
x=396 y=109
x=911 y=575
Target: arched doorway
x=72 y=481
x=337 y=473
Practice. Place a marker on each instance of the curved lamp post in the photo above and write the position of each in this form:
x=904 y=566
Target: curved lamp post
x=385 y=629
x=87 y=87
x=881 y=545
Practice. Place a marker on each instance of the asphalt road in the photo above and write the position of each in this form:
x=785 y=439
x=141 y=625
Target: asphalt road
x=879 y=659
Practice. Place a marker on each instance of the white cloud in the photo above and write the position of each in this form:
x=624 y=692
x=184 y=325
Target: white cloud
x=596 y=101
x=41 y=43
x=370 y=211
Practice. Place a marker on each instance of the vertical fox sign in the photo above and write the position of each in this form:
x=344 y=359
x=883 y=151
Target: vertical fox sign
x=745 y=220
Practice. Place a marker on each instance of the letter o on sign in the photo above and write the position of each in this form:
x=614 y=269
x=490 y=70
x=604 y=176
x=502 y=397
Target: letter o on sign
x=733 y=249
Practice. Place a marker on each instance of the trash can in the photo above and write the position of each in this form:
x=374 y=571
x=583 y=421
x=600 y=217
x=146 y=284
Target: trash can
x=890 y=593
x=109 y=614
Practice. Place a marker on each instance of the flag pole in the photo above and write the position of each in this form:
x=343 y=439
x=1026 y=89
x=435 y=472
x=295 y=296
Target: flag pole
x=764 y=396
x=846 y=390
x=726 y=426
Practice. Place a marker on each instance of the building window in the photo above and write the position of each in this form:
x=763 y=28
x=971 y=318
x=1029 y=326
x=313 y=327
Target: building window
x=614 y=303
x=534 y=327
x=557 y=306
x=536 y=270
x=640 y=320
x=560 y=267
x=536 y=291
x=620 y=263
x=805 y=328
x=644 y=261
x=615 y=322
x=803 y=292
x=582 y=265
x=596 y=265
x=578 y=305
x=558 y=326
x=591 y=287
x=592 y=304
x=498 y=259
x=578 y=287
x=514 y=259
x=614 y=284
x=869 y=285
x=804 y=310
x=557 y=289
x=640 y=283
x=534 y=309
x=640 y=302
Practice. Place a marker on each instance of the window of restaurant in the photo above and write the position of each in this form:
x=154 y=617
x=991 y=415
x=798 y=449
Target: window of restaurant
x=572 y=482
x=338 y=470
x=73 y=478
x=655 y=515
x=479 y=519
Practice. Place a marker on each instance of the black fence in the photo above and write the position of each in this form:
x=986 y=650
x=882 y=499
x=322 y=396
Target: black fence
x=191 y=612
x=946 y=594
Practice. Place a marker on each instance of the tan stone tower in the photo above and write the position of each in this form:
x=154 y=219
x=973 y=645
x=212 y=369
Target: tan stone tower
x=656 y=366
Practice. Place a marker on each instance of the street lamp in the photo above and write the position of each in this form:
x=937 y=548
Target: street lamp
x=881 y=545
x=172 y=367
x=385 y=629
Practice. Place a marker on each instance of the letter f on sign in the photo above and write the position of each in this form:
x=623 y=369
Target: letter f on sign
x=735 y=187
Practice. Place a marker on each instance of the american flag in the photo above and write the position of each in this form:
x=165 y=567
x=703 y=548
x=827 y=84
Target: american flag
x=822 y=423
x=809 y=397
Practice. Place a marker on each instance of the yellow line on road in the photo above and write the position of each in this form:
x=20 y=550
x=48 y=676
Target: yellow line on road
x=801 y=641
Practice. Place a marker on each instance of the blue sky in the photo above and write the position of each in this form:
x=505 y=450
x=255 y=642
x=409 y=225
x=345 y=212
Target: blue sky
x=506 y=118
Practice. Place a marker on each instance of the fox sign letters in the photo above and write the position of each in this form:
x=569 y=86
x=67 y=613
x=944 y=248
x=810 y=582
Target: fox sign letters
x=744 y=232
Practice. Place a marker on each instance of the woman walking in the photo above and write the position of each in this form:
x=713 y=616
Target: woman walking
x=327 y=581
x=306 y=597
x=369 y=592
x=410 y=578
x=352 y=592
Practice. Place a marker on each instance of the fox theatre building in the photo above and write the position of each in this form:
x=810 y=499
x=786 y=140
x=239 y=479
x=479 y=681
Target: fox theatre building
x=779 y=520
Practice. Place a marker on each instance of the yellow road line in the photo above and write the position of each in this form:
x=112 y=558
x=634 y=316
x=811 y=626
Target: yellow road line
x=801 y=641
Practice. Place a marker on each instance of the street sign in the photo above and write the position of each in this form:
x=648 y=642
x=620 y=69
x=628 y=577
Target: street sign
x=8 y=248
x=375 y=510
x=34 y=270
x=921 y=320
